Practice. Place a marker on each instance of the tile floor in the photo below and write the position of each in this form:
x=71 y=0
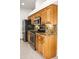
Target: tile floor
x=26 y=52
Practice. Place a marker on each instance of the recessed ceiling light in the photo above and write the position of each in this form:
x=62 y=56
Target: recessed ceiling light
x=22 y=3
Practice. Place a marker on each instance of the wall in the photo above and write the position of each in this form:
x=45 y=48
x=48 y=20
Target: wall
x=23 y=15
x=38 y=3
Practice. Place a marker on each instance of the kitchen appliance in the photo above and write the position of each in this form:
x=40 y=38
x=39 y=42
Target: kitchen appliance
x=33 y=39
x=26 y=27
x=37 y=20
x=42 y=28
x=37 y=23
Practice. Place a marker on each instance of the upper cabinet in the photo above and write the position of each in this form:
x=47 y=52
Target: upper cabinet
x=48 y=14
x=43 y=16
x=53 y=14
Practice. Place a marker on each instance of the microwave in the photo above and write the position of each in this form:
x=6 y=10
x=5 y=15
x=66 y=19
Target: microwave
x=37 y=21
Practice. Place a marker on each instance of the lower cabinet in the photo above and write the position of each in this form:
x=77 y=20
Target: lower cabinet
x=46 y=45
x=49 y=46
x=39 y=44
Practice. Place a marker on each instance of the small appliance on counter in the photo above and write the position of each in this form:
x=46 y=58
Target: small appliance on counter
x=42 y=28
x=36 y=27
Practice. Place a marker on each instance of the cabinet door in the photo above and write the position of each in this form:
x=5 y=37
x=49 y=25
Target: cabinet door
x=39 y=43
x=37 y=14
x=52 y=46
x=53 y=14
x=46 y=48
x=49 y=46
x=43 y=16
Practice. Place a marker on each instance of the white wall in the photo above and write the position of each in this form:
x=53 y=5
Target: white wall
x=23 y=15
x=38 y=3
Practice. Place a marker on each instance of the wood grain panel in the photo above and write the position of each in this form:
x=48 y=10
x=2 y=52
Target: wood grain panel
x=46 y=45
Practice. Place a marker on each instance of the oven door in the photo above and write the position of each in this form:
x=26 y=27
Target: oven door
x=33 y=40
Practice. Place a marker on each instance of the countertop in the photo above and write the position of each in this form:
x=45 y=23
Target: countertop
x=42 y=33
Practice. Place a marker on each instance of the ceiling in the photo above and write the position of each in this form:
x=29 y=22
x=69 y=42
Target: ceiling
x=28 y=4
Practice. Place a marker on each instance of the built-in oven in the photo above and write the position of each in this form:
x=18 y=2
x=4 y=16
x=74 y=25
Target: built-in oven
x=33 y=40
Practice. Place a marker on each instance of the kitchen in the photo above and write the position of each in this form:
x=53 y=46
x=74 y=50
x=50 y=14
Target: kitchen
x=41 y=29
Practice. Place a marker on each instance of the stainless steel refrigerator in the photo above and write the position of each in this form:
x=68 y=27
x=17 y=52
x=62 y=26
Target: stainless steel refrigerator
x=27 y=26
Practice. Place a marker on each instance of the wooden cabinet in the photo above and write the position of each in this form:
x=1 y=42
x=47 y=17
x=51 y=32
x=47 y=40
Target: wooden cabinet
x=46 y=45
x=38 y=14
x=43 y=16
x=39 y=43
x=53 y=14
x=47 y=14
x=49 y=46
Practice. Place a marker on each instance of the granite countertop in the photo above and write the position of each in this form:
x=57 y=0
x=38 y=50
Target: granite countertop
x=45 y=34
x=42 y=33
